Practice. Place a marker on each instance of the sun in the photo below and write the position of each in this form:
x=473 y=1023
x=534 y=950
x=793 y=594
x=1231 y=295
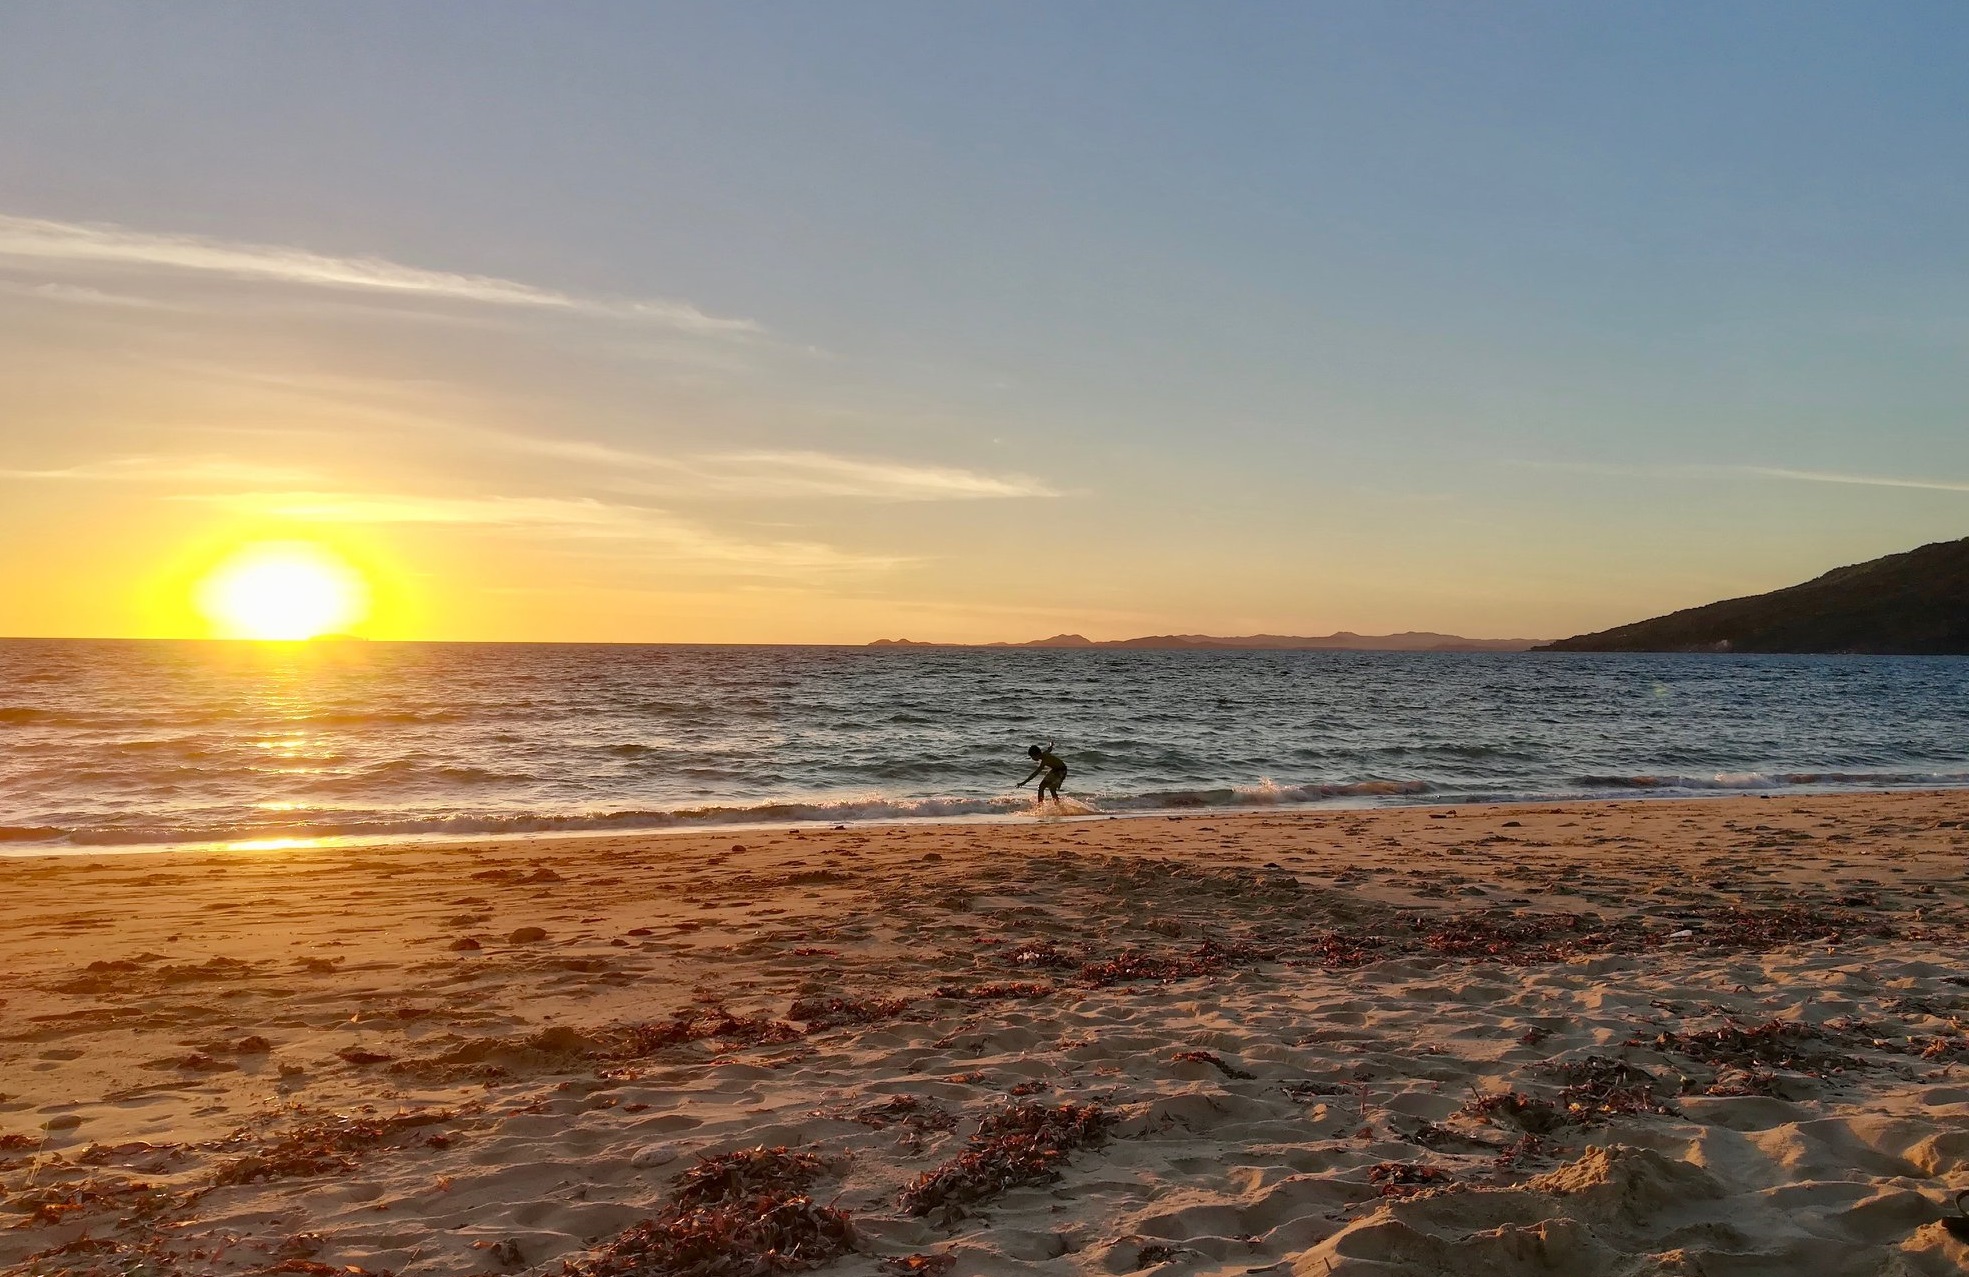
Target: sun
x=282 y=590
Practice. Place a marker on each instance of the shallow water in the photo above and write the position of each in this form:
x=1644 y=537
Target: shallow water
x=105 y=743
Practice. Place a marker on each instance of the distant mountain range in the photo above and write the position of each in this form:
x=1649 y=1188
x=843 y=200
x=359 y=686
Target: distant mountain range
x=1909 y=604
x=1344 y=641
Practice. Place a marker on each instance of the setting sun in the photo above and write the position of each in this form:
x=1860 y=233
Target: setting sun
x=282 y=590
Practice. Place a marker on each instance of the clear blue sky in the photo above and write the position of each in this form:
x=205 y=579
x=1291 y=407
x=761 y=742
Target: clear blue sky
x=985 y=320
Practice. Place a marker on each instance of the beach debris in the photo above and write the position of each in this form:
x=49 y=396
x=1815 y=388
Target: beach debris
x=505 y=1253
x=1208 y=958
x=1040 y=954
x=1405 y=1179
x=1432 y=1135
x=1156 y=1253
x=1215 y=1061
x=1339 y=950
x=835 y=1012
x=746 y=1173
x=1599 y=1087
x=740 y=1214
x=52 y=1205
x=526 y=935
x=1745 y=927
x=1523 y=1149
x=1019 y=1145
x=1305 y=1090
x=695 y=1024
x=996 y=990
x=1775 y=1044
x=930 y=1265
x=910 y=1111
x=1529 y=1114
x=1941 y=1048
x=464 y=944
x=1733 y=1082
x=328 y=1144
x=196 y=1062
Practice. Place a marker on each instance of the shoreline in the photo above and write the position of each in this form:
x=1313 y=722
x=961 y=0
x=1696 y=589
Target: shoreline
x=1367 y=1041
x=274 y=842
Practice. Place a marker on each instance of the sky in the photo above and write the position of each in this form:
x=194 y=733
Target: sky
x=977 y=321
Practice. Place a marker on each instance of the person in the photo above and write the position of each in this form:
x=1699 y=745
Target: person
x=1055 y=771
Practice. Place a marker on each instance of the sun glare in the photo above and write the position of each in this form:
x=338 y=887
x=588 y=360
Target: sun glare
x=282 y=590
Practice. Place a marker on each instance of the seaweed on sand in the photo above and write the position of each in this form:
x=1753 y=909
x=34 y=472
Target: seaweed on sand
x=1405 y=1179
x=995 y=990
x=695 y=1024
x=742 y=1214
x=1743 y=927
x=834 y=1013
x=1341 y=950
x=747 y=1173
x=905 y=1110
x=327 y=1145
x=1019 y=1145
x=1522 y=1150
x=1599 y=1087
x=1040 y=953
x=1531 y=1115
x=1504 y=935
x=1208 y=958
x=1215 y=1061
x=1774 y=1044
x=51 y=1205
x=730 y=1239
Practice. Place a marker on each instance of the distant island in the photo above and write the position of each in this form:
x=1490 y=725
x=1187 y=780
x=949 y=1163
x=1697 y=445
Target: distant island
x=1344 y=641
x=1912 y=604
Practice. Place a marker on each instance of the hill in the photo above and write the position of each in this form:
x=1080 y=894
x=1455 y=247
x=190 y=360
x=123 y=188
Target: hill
x=1909 y=604
x=1412 y=641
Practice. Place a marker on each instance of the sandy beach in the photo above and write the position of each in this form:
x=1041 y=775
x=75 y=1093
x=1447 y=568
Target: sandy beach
x=1719 y=1037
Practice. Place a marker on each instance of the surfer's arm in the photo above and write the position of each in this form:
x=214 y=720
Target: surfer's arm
x=1028 y=779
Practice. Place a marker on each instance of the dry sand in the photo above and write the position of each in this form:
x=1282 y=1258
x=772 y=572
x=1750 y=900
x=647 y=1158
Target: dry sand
x=1398 y=1042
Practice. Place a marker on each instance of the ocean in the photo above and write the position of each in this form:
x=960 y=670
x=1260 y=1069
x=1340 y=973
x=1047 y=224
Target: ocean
x=140 y=744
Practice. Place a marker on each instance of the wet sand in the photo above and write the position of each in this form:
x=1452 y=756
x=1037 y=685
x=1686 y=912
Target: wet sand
x=1721 y=1037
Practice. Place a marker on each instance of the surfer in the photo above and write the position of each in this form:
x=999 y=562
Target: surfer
x=1055 y=771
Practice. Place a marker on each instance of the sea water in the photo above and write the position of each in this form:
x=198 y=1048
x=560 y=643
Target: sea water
x=111 y=743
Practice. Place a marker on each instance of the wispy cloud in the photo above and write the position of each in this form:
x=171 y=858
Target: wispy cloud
x=78 y=295
x=1863 y=480
x=819 y=474
x=682 y=544
x=75 y=243
x=174 y=470
x=787 y=474
x=1700 y=471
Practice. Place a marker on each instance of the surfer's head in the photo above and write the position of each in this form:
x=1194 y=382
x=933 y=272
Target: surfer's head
x=1034 y=753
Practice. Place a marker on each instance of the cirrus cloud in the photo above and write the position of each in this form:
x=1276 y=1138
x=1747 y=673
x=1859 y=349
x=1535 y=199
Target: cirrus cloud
x=644 y=529
x=54 y=243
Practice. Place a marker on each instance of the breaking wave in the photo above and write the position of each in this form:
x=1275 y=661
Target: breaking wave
x=883 y=809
